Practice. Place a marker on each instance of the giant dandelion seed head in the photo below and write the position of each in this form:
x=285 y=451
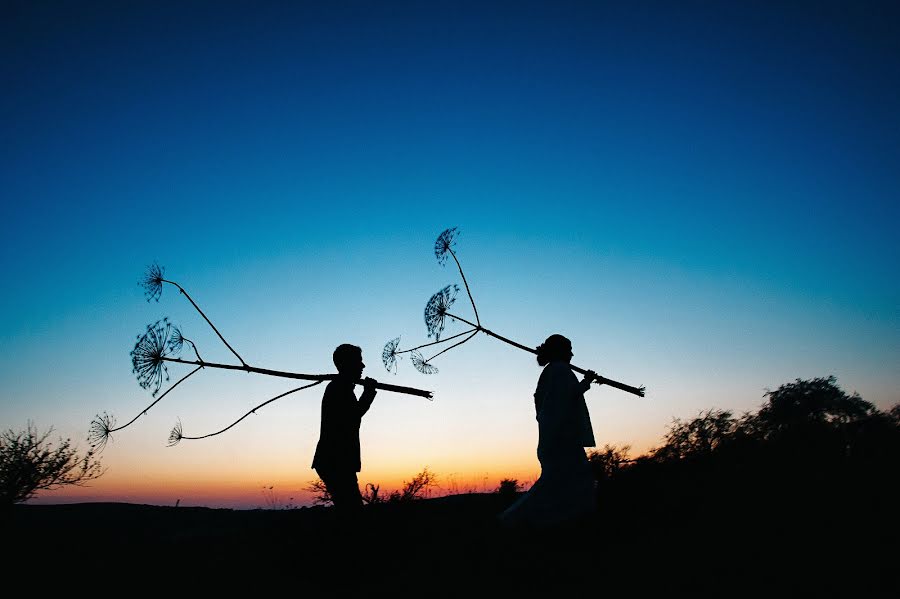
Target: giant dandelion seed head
x=421 y=365
x=149 y=354
x=100 y=431
x=444 y=244
x=389 y=355
x=436 y=310
x=176 y=435
x=152 y=282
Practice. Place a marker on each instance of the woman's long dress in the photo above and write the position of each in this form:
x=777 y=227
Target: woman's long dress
x=565 y=489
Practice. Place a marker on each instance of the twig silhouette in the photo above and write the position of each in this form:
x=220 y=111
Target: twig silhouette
x=391 y=354
x=104 y=425
x=177 y=433
x=437 y=311
x=443 y=246
x=152 y=284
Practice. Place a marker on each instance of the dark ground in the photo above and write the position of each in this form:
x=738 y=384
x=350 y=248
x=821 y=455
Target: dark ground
x=453 y=546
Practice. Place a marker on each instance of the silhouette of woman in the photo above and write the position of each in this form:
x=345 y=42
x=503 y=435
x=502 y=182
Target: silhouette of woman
x=565 y=489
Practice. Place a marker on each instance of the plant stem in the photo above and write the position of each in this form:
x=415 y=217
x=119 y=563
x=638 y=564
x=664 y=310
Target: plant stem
x=144 y=411
x=194 y=347
x=296 y=375
x=466 y=283
x=459 y=318
x=436 y=342
x=478 y=327
x=253 y=411
x=452 y=346
x=510 y=341
x=190 y=299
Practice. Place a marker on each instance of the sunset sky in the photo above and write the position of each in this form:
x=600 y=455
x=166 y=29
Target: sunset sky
x=703 y=197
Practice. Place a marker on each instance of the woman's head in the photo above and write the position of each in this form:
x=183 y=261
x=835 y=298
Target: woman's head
x=556 y=347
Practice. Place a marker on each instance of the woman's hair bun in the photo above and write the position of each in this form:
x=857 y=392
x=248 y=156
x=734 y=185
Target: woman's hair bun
x=556 y=347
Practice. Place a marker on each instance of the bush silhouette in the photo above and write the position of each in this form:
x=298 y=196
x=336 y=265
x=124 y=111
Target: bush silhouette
x=811 y=453
x=319 y=492
x=371 y=494
x=508 y=489
x=29 y=463
x=419 y=487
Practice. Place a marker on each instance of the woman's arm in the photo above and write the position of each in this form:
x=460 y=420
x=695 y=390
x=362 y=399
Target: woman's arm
x=589 y=377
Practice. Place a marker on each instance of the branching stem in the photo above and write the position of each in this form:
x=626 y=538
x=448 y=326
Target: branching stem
x=454 y=345
x=253 y=411
x=158 y=399
x=190 y=299
x=466 y=283
x=194 y=347
x=436 y=342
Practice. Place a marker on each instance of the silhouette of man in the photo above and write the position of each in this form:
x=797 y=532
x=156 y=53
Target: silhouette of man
x=337 y=458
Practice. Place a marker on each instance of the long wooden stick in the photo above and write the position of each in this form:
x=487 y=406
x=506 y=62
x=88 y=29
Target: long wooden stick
x=600 y=380
x=297 y=375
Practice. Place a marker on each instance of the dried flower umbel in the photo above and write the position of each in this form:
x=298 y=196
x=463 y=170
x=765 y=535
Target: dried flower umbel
x=437 y=308
x=101 y=428
x=152 y=282
x=421 y=364
x=389 y=354
x=161 y=344
x=437 y=311
x=149 y=354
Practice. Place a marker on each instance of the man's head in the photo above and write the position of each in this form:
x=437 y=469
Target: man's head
x=348 y=360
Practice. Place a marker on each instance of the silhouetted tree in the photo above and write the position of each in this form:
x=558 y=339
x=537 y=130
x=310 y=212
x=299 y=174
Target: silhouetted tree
x=29 y=463
x=815 y=401
x=811 y=444
x=697 y=437
x=817 y=426
x=894 y=413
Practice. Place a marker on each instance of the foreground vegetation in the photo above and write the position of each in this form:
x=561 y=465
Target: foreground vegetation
x=795 y=499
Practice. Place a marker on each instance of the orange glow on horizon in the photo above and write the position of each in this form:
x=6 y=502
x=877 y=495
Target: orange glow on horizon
x=262 y=491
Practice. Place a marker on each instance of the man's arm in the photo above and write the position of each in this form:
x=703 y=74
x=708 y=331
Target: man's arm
x=368 y=395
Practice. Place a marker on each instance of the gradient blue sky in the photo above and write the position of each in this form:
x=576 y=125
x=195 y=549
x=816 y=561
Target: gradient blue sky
x=704 y=198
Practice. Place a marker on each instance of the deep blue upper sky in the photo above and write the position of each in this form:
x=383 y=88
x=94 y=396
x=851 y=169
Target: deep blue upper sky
x=708 y=177
x=769 y=133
